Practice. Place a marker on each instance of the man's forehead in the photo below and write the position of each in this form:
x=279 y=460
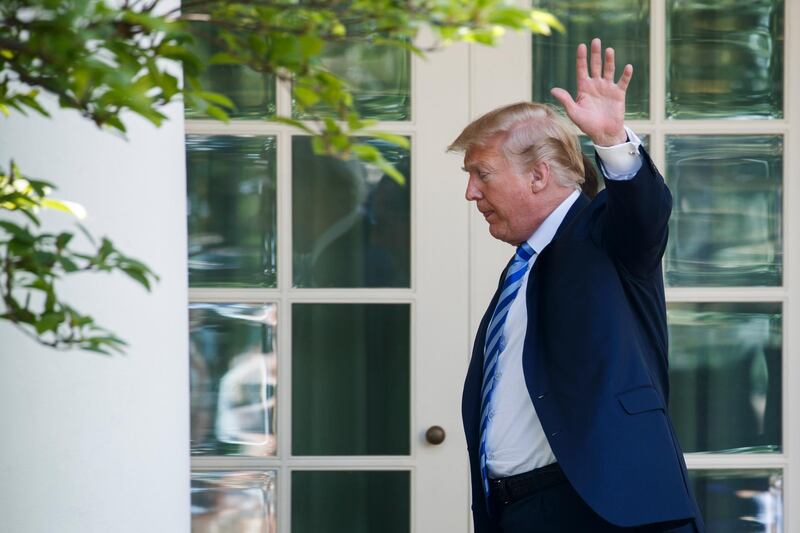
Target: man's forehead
x=481 y=153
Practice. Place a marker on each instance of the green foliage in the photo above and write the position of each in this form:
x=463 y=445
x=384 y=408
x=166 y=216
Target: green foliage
x=107 y=60
x=287 y=38
x=31 y=262
x=104 y=59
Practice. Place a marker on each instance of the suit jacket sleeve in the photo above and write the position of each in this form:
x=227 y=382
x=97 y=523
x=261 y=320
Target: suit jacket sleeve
x=636 y=219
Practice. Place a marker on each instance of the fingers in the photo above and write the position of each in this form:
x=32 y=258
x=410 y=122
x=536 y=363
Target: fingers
x=595 y=58
x=598 y=66
x=564 y=98
x=625 y=79
x=580 y=63
x=608 y=67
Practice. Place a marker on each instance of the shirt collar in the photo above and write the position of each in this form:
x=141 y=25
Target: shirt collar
x=547 y=229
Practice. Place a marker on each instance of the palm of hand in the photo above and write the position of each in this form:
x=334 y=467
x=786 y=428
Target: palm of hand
x=599 y=106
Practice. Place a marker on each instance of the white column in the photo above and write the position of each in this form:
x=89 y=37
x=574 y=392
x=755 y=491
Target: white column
x=90 y=443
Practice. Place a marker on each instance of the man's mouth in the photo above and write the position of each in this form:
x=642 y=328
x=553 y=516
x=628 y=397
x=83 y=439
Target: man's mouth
x=487 y=214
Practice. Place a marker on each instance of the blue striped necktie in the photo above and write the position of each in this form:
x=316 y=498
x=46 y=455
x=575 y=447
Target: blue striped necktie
x=495 y=343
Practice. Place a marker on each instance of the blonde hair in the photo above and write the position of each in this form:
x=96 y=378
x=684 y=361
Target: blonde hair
x=532 y=132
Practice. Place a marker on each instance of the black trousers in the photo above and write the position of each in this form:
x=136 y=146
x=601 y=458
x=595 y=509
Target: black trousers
x=559 y=509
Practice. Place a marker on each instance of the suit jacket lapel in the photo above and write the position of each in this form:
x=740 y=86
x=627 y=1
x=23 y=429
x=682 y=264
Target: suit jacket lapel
x=472 y=387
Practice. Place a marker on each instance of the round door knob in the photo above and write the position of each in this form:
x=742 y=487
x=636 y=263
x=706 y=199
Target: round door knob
x=435 y=435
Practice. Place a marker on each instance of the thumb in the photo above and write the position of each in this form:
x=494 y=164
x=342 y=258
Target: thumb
x=563 y=97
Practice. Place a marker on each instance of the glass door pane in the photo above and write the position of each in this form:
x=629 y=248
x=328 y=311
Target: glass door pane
x=351 y=379
x=351 y=223
x=351 y=501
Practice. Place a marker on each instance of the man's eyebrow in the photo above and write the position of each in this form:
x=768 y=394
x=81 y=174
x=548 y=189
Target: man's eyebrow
x=473 y=165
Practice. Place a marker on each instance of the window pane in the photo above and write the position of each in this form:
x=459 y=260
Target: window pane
x=621 y=24
x=231 y=211
x=725 y=375
x=233 y=379
x=351 y=502
x=740 y=501
x=725 y=59
x=243 y=502
x=350 y=222
x=350 y=379
x=252 y=93
x=726 y=212
x=379 y=78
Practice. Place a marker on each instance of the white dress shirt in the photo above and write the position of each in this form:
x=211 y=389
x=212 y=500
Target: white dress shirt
x=515 y=440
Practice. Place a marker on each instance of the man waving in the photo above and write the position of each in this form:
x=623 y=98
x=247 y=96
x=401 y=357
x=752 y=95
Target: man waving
x=565 y=400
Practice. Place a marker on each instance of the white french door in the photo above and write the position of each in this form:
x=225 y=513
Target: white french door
x=329 y=311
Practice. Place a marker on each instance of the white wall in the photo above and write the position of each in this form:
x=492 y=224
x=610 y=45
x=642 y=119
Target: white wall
x=91 y=443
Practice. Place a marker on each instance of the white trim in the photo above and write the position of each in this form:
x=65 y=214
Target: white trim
x=265 y=127
x=791 y=272
x=333 y=462
x=702 y=461
x=658 y=51
x=302 y=295
x=724 y=294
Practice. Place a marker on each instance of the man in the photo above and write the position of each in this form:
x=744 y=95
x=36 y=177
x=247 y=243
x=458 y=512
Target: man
x=565 y=399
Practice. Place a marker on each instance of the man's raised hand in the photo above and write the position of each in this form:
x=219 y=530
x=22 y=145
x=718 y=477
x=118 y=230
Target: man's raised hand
x=599 y=107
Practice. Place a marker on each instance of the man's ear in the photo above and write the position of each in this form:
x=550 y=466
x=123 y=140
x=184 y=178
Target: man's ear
x=539 y=176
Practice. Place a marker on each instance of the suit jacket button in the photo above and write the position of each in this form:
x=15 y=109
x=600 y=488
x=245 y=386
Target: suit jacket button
x=541 y=396
x=555 y=434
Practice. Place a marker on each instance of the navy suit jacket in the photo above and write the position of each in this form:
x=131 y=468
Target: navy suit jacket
x=595 y=358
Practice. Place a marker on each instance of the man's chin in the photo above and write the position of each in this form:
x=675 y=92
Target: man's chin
x=498 y=233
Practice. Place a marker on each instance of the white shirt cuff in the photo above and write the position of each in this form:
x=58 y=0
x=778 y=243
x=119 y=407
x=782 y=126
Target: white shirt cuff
x=621 y=161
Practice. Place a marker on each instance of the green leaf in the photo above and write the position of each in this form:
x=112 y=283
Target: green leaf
x=370 y=154
x=217 y=113
x=548 y=19
x=49 y=322
x=295 y=123
x=403 y=44
x=305 y=97
x=20 y=234
x=67 y=264
x=137 y=275
x=63 y=239
x=224 y=58
x=216 y=98
x=310 y=45
x=71 y=208
x=398 y=140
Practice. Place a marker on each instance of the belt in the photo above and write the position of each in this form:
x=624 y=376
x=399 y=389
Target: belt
x=506 y=490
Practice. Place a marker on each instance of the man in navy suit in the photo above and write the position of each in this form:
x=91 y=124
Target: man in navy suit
x=565 y=400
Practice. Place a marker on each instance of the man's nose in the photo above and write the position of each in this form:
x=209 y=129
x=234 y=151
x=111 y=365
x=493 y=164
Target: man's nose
x=473 y=192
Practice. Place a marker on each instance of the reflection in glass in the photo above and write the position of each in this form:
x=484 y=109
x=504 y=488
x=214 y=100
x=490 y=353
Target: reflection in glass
x=739 y=501
x=231 y=211
x=621 y=24
x=350 y=379
x=351 y=502
x=241 y=502
x=350 y=222
x=379 y=78
x=725 y=376
x=233 y=379
x=725 y=58
x=252 y=93
x=726 y=220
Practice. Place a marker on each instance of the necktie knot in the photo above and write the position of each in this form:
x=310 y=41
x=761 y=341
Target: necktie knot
x=525 y=252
